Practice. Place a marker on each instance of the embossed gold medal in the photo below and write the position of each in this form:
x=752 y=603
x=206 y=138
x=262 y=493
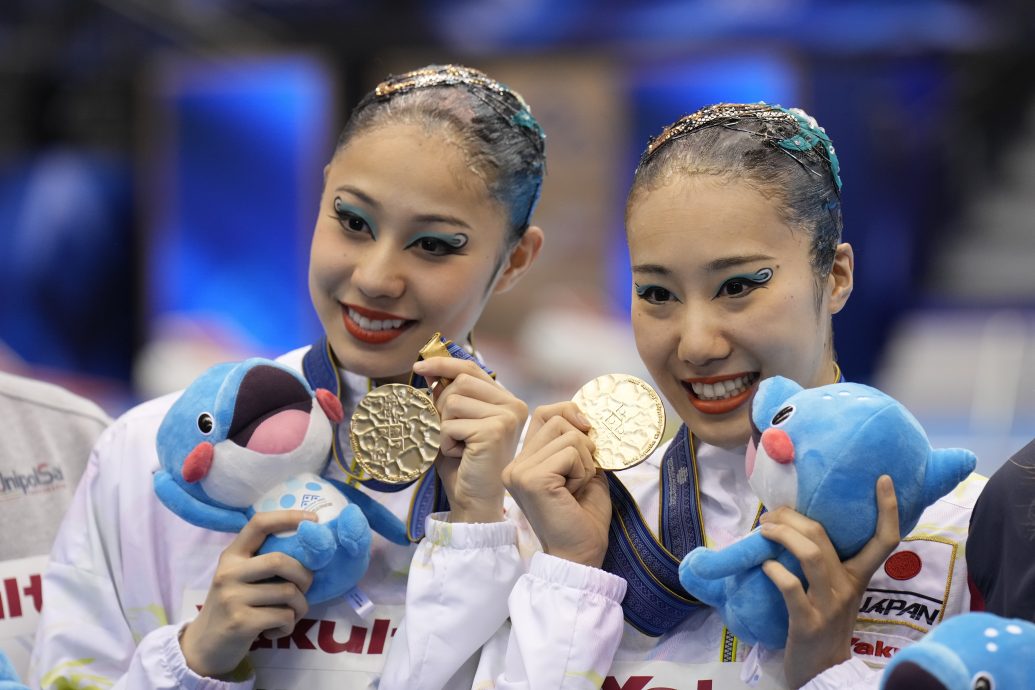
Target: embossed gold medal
x=627 y=418
x=395 y=433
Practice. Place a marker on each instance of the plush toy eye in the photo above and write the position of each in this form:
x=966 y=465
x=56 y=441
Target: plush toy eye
x=982 y=681
x=783 y=415
x=206 y=423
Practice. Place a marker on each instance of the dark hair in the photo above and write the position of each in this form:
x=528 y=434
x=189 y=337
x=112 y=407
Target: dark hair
x=782 y=153
x=492 y=124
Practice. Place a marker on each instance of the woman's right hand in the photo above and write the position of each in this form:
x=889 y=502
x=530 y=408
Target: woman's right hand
x=249 y=595
x=562 y=492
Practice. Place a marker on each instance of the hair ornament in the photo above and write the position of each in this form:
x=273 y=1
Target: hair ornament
x=809 y=134
x=506 y=102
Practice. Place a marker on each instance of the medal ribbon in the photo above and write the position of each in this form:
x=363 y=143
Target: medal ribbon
x=654 y=600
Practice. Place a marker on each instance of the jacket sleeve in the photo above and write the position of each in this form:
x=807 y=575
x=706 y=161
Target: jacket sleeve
x=566 y=622
x=456 y=600
x=85 y=639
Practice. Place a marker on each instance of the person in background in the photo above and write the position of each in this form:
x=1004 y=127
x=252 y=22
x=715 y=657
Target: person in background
x=1001 y=552
x=47 y=436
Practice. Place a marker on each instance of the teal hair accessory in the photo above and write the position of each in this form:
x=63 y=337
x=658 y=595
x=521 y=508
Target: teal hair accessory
x=524 y=118
x=809 y=135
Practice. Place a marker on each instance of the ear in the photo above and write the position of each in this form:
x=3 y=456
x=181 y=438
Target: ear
x=841 y=280
x=520 y=260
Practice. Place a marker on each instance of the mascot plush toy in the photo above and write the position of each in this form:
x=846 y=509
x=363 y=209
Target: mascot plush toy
x=252 y=437
x=973 y=651
x=820 y=451
x=8 y=678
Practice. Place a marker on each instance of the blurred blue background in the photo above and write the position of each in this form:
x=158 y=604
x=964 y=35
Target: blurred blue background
x=160 y=167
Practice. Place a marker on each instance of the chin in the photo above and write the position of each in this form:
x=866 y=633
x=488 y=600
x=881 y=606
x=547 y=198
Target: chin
x=730 y=433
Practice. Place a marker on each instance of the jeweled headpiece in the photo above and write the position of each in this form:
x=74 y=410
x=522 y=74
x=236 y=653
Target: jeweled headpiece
x=808 y=135
x=506 y=102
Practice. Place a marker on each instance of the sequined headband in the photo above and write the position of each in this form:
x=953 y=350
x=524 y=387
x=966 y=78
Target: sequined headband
x=808 y=136
x=507 y=103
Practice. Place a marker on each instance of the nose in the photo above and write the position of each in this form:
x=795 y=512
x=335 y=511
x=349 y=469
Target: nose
x=378 y=272
x=778 y=445
x=701 y=339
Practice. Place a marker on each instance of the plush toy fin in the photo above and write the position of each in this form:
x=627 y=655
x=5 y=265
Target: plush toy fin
x=380 y=518
x=353 y=531
x=317 y=544
x=8 y=678
x=946 y=468
x=706 y=590
x=771 y=395
x=753 y=550
x=194 y=511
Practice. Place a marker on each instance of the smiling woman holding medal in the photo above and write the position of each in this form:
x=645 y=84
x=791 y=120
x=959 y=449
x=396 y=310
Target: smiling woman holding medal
x=425 y=214
x=734 y=229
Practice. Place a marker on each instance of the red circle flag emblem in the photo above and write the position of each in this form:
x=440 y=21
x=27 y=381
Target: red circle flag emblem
x=903 y=565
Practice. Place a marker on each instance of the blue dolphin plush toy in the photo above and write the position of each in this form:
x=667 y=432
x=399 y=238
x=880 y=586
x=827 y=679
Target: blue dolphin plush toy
x=972 y=651
x=820 y=451
x=253 y=436
x=8 y=678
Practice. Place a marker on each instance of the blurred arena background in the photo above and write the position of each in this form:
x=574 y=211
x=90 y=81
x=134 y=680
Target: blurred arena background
x=160 y=166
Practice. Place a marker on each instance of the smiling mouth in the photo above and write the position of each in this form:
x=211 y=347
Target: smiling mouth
x=720 y=394
x=373 y=327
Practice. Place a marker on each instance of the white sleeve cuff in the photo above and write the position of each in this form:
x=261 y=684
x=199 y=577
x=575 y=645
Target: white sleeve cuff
x=557 y=571
x=171 y=656
x=468 y=535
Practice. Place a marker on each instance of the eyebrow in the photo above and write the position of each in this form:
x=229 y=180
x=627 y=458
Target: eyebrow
x=362 y=196
x=713 y=266
x=442 y=218
x=652 y=269
x=731 y=261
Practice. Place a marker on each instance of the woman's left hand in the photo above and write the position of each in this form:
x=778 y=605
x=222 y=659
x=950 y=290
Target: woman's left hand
x=481 y=425
x=822 y=619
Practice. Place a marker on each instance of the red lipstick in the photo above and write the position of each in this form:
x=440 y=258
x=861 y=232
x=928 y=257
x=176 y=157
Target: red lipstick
x=725 y=405
x=372 y=337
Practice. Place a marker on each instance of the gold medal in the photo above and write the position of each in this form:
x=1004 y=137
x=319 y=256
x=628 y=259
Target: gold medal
x=627 y=418
x=395 y=433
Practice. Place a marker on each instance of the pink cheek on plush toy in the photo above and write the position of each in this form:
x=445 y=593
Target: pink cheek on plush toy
x=330 y=404
x=198 y=462
x=749 y=457
x=778 y=446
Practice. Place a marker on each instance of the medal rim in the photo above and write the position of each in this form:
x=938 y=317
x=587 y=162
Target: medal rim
x=660 y=415
x=374 y=470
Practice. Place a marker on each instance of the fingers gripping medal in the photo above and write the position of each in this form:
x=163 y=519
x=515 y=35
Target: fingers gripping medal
x=627 y=418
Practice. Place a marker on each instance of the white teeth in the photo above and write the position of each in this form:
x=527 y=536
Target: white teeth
x=372 y=325
x=723 y=389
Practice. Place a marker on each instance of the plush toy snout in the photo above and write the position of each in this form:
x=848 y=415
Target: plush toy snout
x=198 y=462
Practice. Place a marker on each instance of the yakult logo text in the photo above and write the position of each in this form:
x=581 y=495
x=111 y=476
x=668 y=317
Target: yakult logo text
x=42 y=477
x=877 y=649
x=311 y=634
x=12 y=603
